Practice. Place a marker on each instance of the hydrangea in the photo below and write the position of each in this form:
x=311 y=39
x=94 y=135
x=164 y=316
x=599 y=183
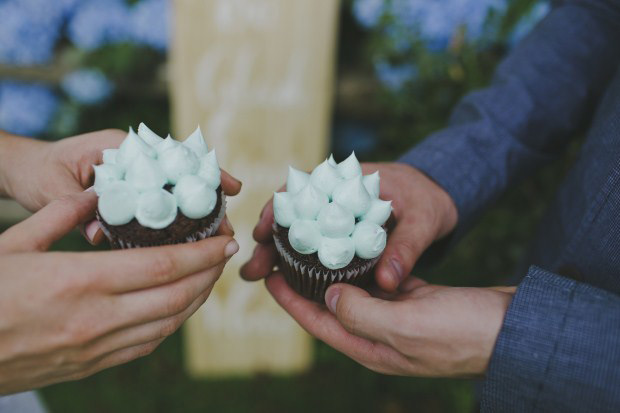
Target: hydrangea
x=393 y=77
x=528 y=21
x=87 y=86
x=436 y=21
x=29 y=30
x=26 y=109
x=98 y=22
x=368 y=12
x=150 y=21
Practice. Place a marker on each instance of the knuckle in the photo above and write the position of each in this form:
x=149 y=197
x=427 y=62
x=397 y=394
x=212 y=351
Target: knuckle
x=78 y=334
x=348 y=315
x=169 y=327
x=178 y=301
x=162 y=267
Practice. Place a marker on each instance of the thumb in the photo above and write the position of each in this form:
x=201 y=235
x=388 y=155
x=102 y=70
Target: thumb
x=405 y=244
x=51 y=223
x=360 y=313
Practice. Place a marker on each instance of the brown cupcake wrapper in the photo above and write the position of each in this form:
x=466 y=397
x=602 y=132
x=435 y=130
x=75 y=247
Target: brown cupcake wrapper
x=312 y=281
x=118 y=243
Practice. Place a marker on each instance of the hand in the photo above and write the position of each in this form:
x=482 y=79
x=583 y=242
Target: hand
x=423 y=330
x=35 y=172
x=68 y=315
x=423 y=212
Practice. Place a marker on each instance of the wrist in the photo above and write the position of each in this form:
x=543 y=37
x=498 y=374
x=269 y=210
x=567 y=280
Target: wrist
x=15 y=153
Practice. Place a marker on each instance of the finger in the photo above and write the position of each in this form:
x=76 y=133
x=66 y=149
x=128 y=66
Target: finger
x=51 y=223
x=261 y=264
x=119 y=357
x=405 y=245
x=144 y=306
x=140 y=268
x=411 y=283
x=142 y=333
x=262 y=230
x=226 y=227
x=230 y=185
x=92 y=232
x=320 y=323
x=361 y=314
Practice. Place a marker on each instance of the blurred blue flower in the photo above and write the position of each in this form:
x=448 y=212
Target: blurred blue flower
x=87 y=86
x=26 y=109
x=394 y=77
x=529 y=21
x=98 y=22
x=368 y=12
x=436 y=21
x=29 y=30
x=150 y=22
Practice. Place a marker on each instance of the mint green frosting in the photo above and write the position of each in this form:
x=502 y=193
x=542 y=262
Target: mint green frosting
x=157 y=208
x=335 y=211
x=305 y=236
x=195 y=198
x=117 y=203
x=130 y=182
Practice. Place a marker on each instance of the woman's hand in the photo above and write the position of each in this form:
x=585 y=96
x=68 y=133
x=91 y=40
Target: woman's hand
x=423 y=212
x=423 y=330
x=34 y=172
x=68 y=315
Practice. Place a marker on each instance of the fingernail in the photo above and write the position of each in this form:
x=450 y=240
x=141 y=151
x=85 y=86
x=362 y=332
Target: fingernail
x=231 y=249
x=90 y=189
x=91 y=230
x=331 y=299
x=229 y=225
x=397 y=270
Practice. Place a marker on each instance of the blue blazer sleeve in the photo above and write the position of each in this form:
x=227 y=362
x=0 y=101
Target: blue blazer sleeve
x=540 y=95
x=558 y=349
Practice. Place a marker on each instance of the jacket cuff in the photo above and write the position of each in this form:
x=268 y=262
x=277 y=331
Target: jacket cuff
x=557 y=349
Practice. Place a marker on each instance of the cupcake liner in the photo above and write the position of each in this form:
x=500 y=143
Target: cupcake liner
x=118 y=243
x=312 y=281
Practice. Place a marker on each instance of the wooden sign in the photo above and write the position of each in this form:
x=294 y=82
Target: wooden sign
x=257 y=76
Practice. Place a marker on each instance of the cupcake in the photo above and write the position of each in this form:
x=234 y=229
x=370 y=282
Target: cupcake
x=154 y=191
x=329 y=227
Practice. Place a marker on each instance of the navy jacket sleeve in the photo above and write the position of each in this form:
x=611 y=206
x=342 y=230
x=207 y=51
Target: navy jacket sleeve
x=559 y=347
x=558 y=350
x=541 y=93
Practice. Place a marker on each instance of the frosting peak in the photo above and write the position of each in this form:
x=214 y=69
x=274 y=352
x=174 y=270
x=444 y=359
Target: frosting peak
x=144 y=174
x=325 y=177
x=196 y=142
x=131 y=147
x=352 y=194
x=194 y=197
x=148 y=135
x=350 y=167
x=178 y=161
x=296 y=180
x=309 y=201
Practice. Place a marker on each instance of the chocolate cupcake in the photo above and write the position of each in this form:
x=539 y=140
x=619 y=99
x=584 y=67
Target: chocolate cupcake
x=329 y=227
x=154 y=191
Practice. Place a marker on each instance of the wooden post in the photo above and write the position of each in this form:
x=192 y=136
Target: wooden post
x=257 y=76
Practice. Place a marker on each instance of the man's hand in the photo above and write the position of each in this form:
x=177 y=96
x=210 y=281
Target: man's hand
x=34 y=172
x=68 y=315
x=423 y=212
x=423 y=330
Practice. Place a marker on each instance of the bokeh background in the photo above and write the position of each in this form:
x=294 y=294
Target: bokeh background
x=73 y=66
